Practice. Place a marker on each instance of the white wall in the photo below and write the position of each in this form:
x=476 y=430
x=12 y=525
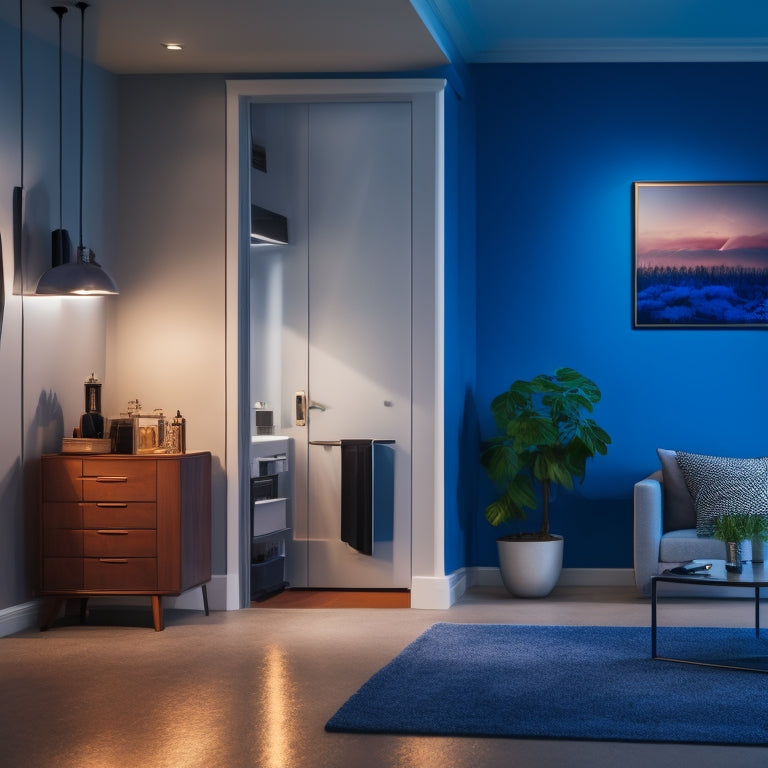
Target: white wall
x=166 y=331
x=49 y=345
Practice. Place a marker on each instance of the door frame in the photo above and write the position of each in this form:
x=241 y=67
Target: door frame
x=430 y=588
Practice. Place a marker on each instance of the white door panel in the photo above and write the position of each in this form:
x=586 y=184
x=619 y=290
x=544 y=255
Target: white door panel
x=359 y=325
x=341 y=173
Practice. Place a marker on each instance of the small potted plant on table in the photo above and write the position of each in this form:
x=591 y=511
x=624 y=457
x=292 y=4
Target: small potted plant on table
x=736 y=528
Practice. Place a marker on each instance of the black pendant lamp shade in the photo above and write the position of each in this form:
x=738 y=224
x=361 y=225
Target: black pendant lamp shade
x=83 y=276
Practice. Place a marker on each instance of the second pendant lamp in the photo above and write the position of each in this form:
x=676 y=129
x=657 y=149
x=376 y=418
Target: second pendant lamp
x=83 y=277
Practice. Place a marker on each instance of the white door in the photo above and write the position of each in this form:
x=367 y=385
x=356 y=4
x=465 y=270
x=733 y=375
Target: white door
x=359 y=359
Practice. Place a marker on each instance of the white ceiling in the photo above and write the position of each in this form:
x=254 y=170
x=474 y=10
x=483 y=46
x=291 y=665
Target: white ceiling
x=268 y=36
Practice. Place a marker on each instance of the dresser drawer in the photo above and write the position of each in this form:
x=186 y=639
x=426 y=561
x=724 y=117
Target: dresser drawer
x=119 y=480
x=62 y=479
x=62 y=542
x=119 y=543
x=125 y=574
x=62 y=514
x=119 y=514
x=62 y=573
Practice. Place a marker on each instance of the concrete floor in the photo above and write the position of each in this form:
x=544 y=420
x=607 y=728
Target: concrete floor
x=255 y=687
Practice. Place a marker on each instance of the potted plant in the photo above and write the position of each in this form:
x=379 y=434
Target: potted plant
x=545 y=438
x=737 y=527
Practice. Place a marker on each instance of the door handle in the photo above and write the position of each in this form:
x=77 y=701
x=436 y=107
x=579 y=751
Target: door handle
x=318 y=406
x=301 y=408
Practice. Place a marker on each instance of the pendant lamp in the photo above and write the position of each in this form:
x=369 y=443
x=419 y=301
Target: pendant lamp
x=83 y=277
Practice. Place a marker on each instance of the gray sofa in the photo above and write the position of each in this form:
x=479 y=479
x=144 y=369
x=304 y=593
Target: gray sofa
x=665 y=532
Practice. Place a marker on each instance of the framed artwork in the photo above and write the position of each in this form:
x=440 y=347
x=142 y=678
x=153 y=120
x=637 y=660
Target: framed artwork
x=700 y=255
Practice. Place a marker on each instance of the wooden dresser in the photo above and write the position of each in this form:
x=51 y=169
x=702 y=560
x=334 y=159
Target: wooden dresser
x=116 y=524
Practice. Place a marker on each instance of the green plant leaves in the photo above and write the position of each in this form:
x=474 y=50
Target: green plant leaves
x=511 y=505
x=499 y=461
x=546 y=436
x=531 y=428
x=740 y=526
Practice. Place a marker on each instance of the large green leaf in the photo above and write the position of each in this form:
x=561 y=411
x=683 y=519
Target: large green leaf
x=532 y=429
x=520 y=492
x=544 y=383
x=553 y=467
x=575 y=380
x=546 y=437
x=499 y=461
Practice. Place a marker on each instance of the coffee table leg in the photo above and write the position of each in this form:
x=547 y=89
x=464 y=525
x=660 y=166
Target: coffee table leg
x=757 y=612
x=653 y=618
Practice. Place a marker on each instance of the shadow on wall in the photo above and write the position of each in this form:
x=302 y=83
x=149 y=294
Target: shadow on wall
x=44 y=435
x=46 y=427
x=466 y=477
x=2 y=288
x=219 y=516
x=14 y=582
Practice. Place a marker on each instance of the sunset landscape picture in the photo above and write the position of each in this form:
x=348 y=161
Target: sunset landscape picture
x=701 y=254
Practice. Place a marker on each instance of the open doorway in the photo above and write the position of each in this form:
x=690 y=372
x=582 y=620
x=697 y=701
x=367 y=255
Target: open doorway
x=422 y=452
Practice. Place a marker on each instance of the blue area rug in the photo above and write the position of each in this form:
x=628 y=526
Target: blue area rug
x=585 y=683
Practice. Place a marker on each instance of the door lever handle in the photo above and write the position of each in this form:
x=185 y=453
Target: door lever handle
x=318 y=406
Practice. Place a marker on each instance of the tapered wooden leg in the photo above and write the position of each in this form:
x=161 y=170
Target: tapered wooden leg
x=157 y=612
x=205 y=599
x=49 y=616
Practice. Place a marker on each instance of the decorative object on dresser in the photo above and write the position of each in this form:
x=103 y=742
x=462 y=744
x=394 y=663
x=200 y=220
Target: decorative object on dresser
x=125 y=525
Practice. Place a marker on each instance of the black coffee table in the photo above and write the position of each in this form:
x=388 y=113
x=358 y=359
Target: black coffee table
x=753 y=575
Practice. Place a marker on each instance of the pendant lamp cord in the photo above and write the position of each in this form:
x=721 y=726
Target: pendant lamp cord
x=60 y=10
x=82 y=7
x=21 y=92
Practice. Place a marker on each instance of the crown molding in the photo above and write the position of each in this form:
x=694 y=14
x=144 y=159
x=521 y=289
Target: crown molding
x=598 y=50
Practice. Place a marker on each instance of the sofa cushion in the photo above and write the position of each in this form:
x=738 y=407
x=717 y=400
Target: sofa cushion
x=681 y=546
x=679 y=511
x=723 y=485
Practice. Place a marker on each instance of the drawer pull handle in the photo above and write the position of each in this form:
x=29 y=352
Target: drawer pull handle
x=113 y=560
x=112 y=504
x=112 y=532
x=111 y=479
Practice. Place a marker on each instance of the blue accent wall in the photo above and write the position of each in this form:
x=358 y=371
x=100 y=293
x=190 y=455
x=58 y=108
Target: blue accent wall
x=460 y=420
x=558 y=148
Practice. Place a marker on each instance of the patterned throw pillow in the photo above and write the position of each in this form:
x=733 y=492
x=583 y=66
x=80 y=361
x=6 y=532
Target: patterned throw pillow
x=721 y=486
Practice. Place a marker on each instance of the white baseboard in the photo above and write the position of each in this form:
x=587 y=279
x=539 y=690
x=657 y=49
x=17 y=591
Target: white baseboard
x=569 y=577
x=441 y=592
x=438 y=592
x=597 y=577
x=19 y=618
x=192 y=599
x=427 y=592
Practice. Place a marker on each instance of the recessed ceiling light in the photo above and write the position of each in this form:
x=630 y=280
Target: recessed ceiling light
x=172 y=46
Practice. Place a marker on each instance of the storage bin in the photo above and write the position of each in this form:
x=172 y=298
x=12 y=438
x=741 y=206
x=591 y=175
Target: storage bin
x=269 y=515
x=262 y=466
x=268 y=577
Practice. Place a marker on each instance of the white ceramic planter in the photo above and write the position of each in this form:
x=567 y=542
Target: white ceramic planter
x=530 y=568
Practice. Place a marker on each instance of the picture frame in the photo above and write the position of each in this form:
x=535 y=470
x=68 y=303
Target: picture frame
x=700 y=255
